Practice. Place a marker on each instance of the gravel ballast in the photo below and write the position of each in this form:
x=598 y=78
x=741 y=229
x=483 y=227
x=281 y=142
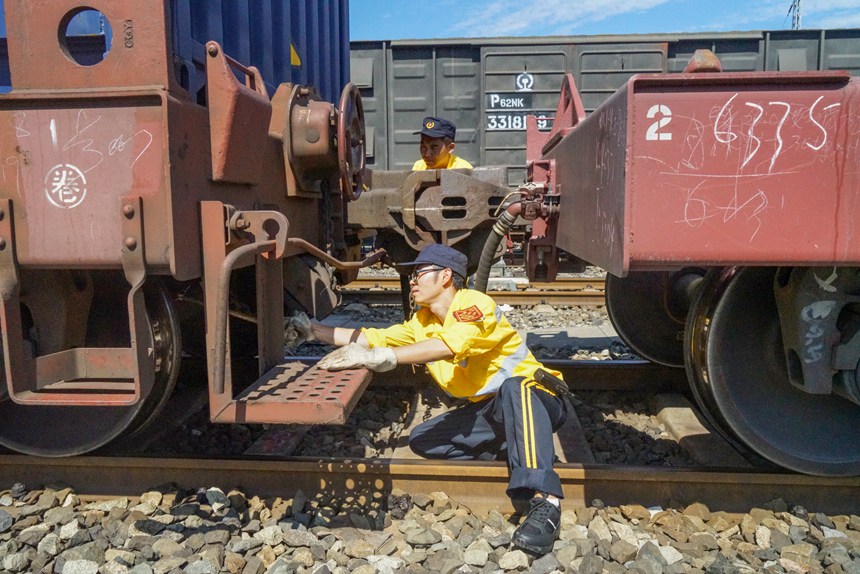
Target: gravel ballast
x=167 y=531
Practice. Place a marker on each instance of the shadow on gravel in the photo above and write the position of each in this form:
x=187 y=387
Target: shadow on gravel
x=621 y=429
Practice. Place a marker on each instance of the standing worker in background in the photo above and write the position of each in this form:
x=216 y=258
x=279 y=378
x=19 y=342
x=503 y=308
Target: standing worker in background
x=474 y=355
x=437 y=145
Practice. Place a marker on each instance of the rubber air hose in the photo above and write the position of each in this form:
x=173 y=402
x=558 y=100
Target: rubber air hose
x=488 y=255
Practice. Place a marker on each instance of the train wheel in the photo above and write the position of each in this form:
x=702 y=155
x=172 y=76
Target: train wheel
x=738 y=374
x=166 y=335
x=648 y=310
x=54 y=431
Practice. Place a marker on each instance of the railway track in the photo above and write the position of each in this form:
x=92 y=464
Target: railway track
x=587 y=291
x=478 y=485
x=352 y=493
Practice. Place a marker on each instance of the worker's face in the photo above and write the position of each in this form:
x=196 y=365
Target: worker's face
x=435 y=152
x=426 y=282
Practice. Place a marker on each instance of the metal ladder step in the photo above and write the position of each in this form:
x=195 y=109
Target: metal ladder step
x=297 y=392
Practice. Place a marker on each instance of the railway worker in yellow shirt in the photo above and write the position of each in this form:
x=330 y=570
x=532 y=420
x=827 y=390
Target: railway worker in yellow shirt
x=437 y=146
x=475 y=355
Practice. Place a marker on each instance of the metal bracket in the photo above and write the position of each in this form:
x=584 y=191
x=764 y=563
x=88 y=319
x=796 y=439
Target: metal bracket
x=262 y=226
x=76 y=376
x=239 y=117
x=265 y=235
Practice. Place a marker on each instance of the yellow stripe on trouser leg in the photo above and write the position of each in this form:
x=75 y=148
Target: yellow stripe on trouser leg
x=531 y=422
x=524 y=408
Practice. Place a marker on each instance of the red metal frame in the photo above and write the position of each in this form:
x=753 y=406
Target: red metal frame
x=76 y=376
x=714 y=169
x=85 y=151
x=285 y=392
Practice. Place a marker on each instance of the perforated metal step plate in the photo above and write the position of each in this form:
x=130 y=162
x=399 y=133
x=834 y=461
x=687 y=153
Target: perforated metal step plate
x=299 y=392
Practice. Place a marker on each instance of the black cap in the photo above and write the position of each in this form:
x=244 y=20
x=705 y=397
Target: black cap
x=437 y=128
x=443 y=256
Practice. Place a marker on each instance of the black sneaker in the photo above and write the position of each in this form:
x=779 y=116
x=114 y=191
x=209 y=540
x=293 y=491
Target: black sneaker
x=540 y=528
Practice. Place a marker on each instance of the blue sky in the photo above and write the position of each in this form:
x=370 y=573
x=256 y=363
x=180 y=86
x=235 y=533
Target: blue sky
x=403 y=19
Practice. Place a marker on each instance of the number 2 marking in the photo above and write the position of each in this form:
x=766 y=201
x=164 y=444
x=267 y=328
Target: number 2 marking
x=654 y=133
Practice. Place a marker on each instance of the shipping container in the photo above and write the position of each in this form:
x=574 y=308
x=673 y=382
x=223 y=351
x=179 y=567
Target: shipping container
x=300 y=41
x=487 y=86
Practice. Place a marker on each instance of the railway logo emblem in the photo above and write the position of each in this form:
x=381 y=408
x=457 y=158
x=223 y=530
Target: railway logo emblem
x=525 y=82
x=65 y=186
x=469 y=315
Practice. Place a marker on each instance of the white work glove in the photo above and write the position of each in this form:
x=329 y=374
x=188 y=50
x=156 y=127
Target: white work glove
x=298 y=329
x=355 y=356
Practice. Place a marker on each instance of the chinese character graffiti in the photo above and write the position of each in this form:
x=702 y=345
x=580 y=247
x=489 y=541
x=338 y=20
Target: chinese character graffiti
x=65 y=186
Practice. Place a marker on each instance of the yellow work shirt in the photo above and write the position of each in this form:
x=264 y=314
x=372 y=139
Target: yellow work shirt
x=454 y=162
x=487 y=349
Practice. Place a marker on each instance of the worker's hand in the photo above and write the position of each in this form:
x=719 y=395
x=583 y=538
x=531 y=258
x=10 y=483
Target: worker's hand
x=298 y=329
x=355 y=356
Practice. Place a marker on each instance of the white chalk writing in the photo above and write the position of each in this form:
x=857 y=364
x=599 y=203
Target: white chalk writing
x=813 y=316
x=731 y=161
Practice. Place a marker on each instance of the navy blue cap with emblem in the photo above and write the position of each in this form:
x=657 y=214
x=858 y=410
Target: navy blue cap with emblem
x=443 y=256
x=437 y=128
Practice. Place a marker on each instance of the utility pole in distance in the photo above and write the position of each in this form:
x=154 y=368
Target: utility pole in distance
x=795 y=12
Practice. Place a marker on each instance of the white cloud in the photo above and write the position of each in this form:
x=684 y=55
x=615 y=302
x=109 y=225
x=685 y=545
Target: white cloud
x=828 y=5
x=831 y=13
x=843 y=20
x=543 y=17
x=481 y=18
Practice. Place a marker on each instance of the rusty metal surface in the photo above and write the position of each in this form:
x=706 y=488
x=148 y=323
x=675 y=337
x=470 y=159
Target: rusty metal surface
x=239 y=116
x=419 y=203
x=714 y=169
x=351 y=142
x=478 y=485
x=70 y=160
x=140 y=58
x=703 y=61
x=569 y=114
x=84 y=136
x=86 y=150
x=215 y=218
x=301 y=393
x=284 y=393
x=80 y=376
x=413 y=209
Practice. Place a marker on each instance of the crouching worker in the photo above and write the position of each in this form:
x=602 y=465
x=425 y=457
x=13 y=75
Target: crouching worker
x=475 y=355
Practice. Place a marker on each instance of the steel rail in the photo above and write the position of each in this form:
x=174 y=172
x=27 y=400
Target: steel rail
x=560 y=284
x=477 y=485
x=586 y=296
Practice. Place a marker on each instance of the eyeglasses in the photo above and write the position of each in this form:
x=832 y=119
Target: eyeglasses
x=419 y=272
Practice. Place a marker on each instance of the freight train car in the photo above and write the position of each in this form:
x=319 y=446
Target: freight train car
x=723 y=206
x=715 y=177
x=151 y=188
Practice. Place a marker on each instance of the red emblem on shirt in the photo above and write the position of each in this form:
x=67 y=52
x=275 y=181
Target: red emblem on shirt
x=469 y=315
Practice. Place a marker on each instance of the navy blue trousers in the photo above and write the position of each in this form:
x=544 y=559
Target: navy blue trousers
x=517 y=422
